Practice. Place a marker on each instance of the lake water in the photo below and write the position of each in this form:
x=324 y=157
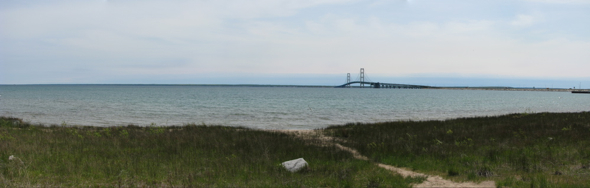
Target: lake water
x=265 y=107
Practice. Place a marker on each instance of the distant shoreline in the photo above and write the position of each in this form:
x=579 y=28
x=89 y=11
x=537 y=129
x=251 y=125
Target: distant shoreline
x=199 y=85
x=509 y=89
x=496 y=88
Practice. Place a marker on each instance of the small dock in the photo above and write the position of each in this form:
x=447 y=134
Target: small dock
x=581 y=91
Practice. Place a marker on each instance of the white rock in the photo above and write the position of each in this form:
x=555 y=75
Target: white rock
x=295 y=164
x=10 y=158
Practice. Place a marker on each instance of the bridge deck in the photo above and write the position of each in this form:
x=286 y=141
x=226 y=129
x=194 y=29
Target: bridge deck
x=383 y=85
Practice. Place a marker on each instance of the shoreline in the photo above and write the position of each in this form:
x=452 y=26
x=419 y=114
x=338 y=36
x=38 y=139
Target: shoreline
x=66 y=124
x=286 y=130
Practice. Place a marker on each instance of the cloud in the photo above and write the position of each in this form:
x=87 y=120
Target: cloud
x=58 y=39
x=523 y=20
x=562 y=1
x=159 y=18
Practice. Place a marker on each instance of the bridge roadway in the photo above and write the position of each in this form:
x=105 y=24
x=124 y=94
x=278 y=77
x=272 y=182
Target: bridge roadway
x=385 y=85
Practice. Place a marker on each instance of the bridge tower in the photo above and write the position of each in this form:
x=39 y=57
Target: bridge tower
x=362 y=77
x=348 y=78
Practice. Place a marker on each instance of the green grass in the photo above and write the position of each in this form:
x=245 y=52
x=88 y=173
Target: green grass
x=181 y=156
x=516 y=150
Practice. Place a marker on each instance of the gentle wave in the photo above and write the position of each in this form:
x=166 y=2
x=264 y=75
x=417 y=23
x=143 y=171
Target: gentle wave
x=265 y=107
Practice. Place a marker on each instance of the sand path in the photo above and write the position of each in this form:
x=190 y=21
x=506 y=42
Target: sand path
x=431 y=180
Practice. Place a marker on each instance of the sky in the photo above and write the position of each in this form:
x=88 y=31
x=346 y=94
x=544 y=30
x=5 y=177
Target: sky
x=518 y=43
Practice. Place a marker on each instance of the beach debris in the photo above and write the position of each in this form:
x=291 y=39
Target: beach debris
x=295 y=164
x=15 y=159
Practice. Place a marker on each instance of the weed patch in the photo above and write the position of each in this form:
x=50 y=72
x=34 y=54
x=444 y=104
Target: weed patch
x=530 y=146
x=174 y=156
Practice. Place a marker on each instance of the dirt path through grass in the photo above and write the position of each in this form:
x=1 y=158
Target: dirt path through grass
x=431 y=180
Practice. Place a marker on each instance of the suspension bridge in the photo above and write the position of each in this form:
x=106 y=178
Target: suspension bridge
x=361 y=81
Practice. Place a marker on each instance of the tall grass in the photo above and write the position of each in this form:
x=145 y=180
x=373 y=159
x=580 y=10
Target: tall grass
x=178 y=156
x=516 y=150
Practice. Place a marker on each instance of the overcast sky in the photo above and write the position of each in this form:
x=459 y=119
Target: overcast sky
x=293 y=41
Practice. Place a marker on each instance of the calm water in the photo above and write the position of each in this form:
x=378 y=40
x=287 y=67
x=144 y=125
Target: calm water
x=265 y=107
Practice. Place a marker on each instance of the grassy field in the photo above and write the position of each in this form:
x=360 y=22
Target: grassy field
x=182 y=156
x=516 y=150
